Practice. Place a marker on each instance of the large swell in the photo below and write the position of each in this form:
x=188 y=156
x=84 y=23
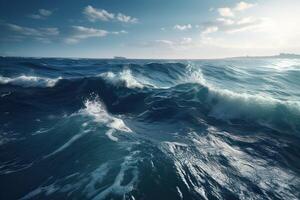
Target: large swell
x=149 y=129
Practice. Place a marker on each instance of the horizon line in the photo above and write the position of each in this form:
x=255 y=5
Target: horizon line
x=128 y=58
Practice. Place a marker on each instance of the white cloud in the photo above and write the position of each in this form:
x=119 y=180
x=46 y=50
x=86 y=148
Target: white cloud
x=39 y=34
x=182 y=27
x=94 y=14
x=164 y=42
x=126 y=19
x=186 y=40
x=71 y=40
x=43 y=40
x=231 y=22
x=119 y=32
x=243 y=24
x=210 y=29
x=178 y=44
x=226 y=12
x=42 y=14
x=45 y=12
x=81 y=32
x=22 y=30
x=84 y=32
x=35 y=16
x=13 y=38
x=231 y=11
x=50 y=31
x=233 y=25
x=225 y=21
x=243 y=6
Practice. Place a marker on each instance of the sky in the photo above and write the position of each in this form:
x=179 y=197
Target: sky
x=170 y=29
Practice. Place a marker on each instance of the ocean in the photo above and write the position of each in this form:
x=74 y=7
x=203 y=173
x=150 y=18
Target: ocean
x=149 y=129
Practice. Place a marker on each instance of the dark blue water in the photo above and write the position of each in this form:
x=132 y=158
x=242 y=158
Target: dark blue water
x=149 y=129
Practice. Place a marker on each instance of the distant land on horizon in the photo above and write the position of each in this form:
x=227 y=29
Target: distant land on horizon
x=281 y=55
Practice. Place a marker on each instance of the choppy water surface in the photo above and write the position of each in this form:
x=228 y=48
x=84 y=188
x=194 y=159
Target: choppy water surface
x=149 y=129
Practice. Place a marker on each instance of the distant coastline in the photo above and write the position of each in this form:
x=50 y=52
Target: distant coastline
x=281 y=55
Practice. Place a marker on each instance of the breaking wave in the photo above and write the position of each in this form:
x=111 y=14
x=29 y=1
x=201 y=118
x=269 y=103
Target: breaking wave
x=124 y=77
x=30 y=81
x=96 y=109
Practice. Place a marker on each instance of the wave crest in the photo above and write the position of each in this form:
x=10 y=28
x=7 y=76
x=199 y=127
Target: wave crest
x=96 y=109
x=124 y=77
x=228 y=105
x=30 y=81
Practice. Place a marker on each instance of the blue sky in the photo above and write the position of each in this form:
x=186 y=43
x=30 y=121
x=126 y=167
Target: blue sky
x=149 y=28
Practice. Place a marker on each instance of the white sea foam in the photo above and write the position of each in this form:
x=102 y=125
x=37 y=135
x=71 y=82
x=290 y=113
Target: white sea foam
x=189 y=176
x=123 y=77
x=59 y=185
x=129 y=165
x=179 y=192
x=194 y=75
x=6 y=94
x=68 y=143
x=109 y=134
x=174 y=145
x=96 y=177
x=13 y=166
x=30 y=81
x=47 y=190
x=92 y=183
x=42 y=130
x=96 y=109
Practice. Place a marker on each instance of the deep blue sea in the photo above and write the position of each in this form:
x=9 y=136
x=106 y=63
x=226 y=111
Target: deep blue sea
x=149 y=129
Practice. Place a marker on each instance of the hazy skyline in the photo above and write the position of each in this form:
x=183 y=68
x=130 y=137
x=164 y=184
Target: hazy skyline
x=149 y=29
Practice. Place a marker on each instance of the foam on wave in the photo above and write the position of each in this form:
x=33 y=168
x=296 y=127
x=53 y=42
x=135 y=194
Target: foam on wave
x=228 y=105
x=124 y=77
x=96 y=109
x=128 y=79
x=30 y=81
